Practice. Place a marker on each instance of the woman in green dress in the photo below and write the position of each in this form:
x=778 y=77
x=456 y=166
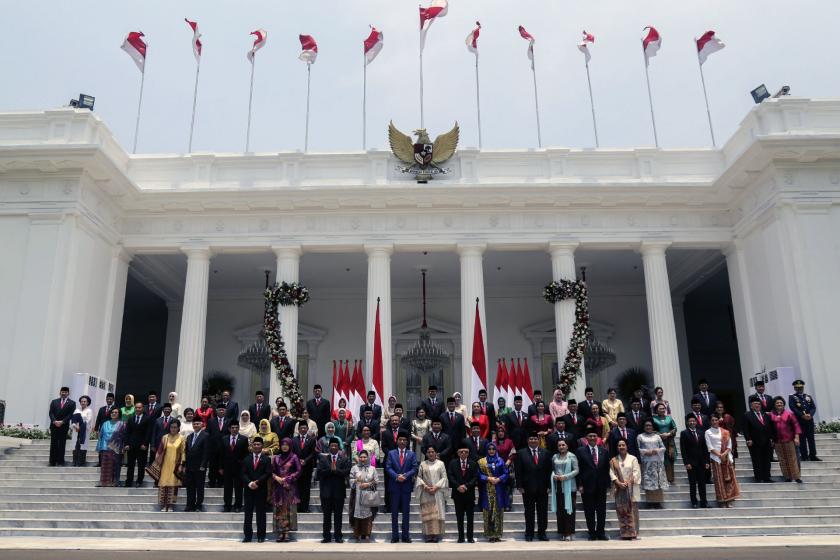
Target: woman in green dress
x=128 y=410
x=667 y=429
x=563 y=489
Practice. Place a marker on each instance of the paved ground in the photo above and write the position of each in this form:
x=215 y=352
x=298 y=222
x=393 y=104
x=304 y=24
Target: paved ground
x=813 y=547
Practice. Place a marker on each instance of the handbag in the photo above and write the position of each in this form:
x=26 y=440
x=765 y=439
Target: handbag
x=370 y=498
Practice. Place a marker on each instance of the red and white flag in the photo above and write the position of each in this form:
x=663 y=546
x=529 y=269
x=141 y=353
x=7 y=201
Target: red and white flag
x=583 y=46
x=196 y=41
x=344 y=382
x=357 y=381
x=436 y=9
x=651 y=43
x=376 y=371
x=373 y=44
x=708 y=44
x=527 y=389
x=516 y=380
x=335 y=394
x=501 y=387
x=479 y=362
x=530 y=38
x=309 y=49
x=135 y=46
x=509 y=391
x=261 y=36
x=472 y=39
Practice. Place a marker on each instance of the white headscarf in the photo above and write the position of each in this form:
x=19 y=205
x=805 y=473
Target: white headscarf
x=246 y=427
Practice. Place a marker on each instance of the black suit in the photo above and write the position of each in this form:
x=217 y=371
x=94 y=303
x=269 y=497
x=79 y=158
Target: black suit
x=160 y=428
x=575 y=423
x=103 y=416
x=517 y=428
x=702 y=420
x=284 y=430
x=707 y=408
x=464 y=501
x=230 y=461
x=554 y=438
x=333 y=485
x=263 y=414
x=638 y=426
x=534 y=479
x=306 y=454
x=762 y=435
x=372 y=424
x=616 y=436
x=455 y=429
x=442 y=444
x=696 y=455
x=58 y=435
x=766 y=404
x=585 y=409
x=137 y=436
x=255 y=499
x=154 y=411
x=433 y=411
x=216 y=433
x=377 y=413
x=319 y=413
x=232 y=410
x=196 y=457
x=476 y=451
x=593 y=482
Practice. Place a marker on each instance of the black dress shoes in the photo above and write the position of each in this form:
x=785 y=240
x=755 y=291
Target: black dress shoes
x=326 y=540
x=394 y=541
x=246 y=539
x=339 y=540
x=592 y=538
x=262 y=539
x=471 y=540
x=542 y=538
x=406 y=540
x=603 y=537
x=227 y=509
x=529 y=539
x=460 y=539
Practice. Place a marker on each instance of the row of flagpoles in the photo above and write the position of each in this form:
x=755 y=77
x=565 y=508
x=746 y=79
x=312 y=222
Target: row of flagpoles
x=513 y=381
x=348 y=386
x=136 y=47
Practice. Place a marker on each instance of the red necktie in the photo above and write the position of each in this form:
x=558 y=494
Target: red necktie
x=62 y=403
x=594 y=455
x=700 y=419
x=536 y=458
x=463 y=468
x=301 y=443
x=763 y=403
x=760 y=417
x=623 y=433
x=395 y=438
x=232 y=442
x=333 y=460
x=483 y=408
x=256 y=461
x=402 y=457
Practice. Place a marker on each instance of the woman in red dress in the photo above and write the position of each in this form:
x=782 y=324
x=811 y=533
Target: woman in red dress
x=205 y=411
x=542 y=424
x=727 y=422
x=482 y=419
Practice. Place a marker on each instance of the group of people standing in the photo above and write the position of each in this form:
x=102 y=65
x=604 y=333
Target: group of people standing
x=549 y=452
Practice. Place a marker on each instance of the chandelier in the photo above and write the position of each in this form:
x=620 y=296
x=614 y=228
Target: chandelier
x=596 y=355
x=255 y=355
x=425 y=355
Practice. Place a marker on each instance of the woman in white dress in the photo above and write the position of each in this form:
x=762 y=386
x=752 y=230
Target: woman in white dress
x=460 y=407
x=177 y=409
x=654 y=477
x=429 y=488
x=81 y=423
x=420 y=426
x=626 y=475
x=363 y=478
x=246 y=427
x=186 y=425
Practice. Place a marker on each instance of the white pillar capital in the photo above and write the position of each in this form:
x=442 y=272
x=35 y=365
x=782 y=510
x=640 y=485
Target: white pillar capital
x=558 y=249
x=121 y=253
x=379 y=249
x=471 y=249
x=287 y=251
x=197 y=252
x=654 y=247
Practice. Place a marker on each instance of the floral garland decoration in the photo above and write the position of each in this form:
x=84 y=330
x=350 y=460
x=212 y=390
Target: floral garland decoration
x=559 y=291
x=284 y=294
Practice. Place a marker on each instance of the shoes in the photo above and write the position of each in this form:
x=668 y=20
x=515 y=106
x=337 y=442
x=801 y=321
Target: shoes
x=803 y=458
x=799 y=481
x=199 y=508
x=339 y=540
x=326 y=540
x=769 y=481
x=815 y=459
x=472 y=540
x=246 y=539
x=542 y=538
x=529 y=539
x=227 y=509
x=704 y=505
x=237 y=510
x=460 y=539
x=261 y=539
x=186 y=509
x=138 y=484
x=695 y=506
x=395 y=540
x=406 y=540
x=592 y=537
x=603 y=537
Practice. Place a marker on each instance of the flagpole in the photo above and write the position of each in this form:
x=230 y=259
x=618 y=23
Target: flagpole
x=592 y=105
x=250 y=100
x=139 y=104
x=650 y=97
x=308 y=82
x=536 y=98
x=478 y=100
x=195 y=97
x=364 y=105
x=421 y=78
x=706 y=97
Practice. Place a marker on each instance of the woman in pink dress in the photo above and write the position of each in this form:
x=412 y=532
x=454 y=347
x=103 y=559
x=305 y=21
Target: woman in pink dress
x=557 y=407
x=787 y=440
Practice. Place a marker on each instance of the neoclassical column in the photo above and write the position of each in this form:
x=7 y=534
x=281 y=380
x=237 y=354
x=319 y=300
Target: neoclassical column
x=379 y=287
x=563 y=268
x=472 y=287
x=113 y=319
x=663 y=336
x=190 y=372
x=288 y=270
x=742 y=309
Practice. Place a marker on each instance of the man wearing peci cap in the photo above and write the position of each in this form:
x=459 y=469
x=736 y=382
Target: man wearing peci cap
x=706 y=398
x=400 y=470
x=333 y=470
x=61 y=409
x=593 y=483
x=256 y=470
x=533 y=479
x=765 y=399
x=804 y=407
x=760 y=433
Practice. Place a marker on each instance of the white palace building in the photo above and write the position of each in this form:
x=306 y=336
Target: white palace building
x=148 y=270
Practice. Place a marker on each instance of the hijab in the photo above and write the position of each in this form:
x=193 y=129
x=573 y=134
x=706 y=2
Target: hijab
x=283 y=458
x=246 y=427
x=491 y=460
x=265 y=426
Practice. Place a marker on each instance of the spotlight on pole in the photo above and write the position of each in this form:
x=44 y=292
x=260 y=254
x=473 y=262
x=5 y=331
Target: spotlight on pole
x=84 y=101
x=760 y=93
x=784 y=91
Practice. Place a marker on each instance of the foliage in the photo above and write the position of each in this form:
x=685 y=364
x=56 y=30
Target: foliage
x=283 y=294
x=829 y=427
x=631 y=379
x=571 y=289
x=215 y=383
x=23 y=431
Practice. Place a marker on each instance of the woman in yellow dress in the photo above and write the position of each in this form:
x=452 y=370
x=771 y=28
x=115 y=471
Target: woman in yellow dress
x=170 y=455
x=611 y=407
x=271 y=443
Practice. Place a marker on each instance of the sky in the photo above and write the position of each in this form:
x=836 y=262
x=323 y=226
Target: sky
x=54 y=50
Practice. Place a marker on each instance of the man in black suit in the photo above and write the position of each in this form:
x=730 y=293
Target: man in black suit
x=304 y=448
x=765 y=399
x=104 y=413
x=333 y=470
x=217 y=428
x=516 y=422
x=260 y=409
x=463 y=478
x=574 y=421
x=153 y=406
x=585 y=406
x=453 y=423
x=196 y=458
x=593 y=483
x=488 y=410
x=433 y=405
x=695 y=456
x=475 y=443
x=318 y=409
x=439 y=440
x=707 y=399
x=622 y=432
x=375 y=409
x=256 y=470
x=760 y=433
x=405 y=423
x=532 y=408
x=559 y=434
x=644 y=404
x=231 y=407
x=636 y=417
x=61 y=409
x=233 y=450
x=160 y=427
x=138 y=432
x=367 y=421
x=533 y=479
x=283 y=425
x=697 y=411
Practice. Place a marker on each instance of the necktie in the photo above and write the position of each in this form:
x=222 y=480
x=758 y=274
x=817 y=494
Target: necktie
x=62 y=403
x=137 y=419
x=763 y=403
x=256 y=461
x=463 y=468
x=318 y=402
x=636 y=416
x=623 y=433
x=700 y=420
x=220 y=423
x=452 y=417
x=232 y=442
x=536 y=458
x=476 y=443
x=402 y=457
x=436 y=435
x=282 y=421
x=192 y=441
x=760 y=417
x=706 y=398
x=258 y=409
x=695 y=435
x=301 y=442
x=395 y=437
x=594 y=455
x=166 y=423
x=519 y=417
x=483 y=408
x=333 y=460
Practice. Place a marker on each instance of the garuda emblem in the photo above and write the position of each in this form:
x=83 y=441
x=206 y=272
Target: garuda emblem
x=424 y=156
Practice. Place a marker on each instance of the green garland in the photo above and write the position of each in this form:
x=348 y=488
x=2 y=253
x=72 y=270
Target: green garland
x=559 y=291
x=282 y=294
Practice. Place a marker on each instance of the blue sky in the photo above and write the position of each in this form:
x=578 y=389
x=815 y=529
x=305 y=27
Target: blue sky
x=52 y=51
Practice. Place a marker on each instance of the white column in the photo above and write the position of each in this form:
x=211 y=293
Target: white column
x=379 y=286
x=678 y=304
x=288 y=270
x=472 y=287
x=113 y=320
x=190 y=372
x=663 y=335
x=563 y=268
